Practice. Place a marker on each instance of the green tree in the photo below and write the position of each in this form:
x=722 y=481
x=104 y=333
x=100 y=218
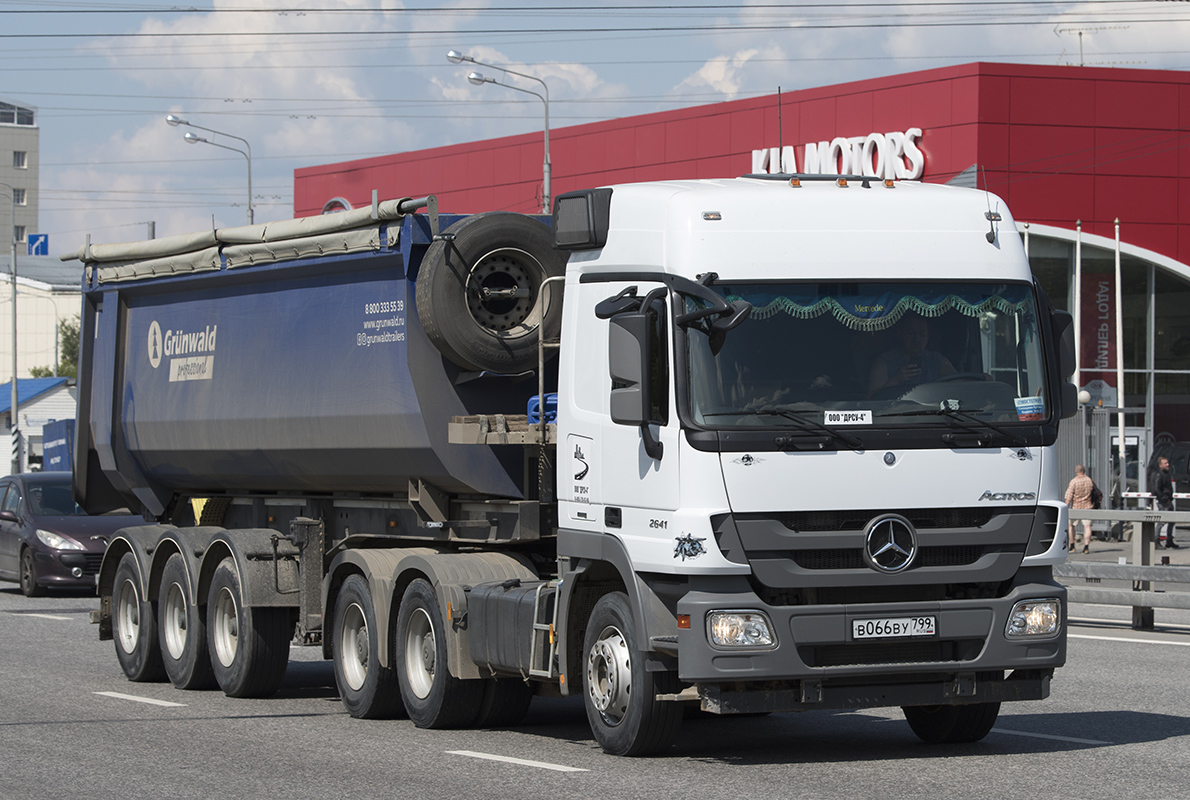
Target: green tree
x=68 y=351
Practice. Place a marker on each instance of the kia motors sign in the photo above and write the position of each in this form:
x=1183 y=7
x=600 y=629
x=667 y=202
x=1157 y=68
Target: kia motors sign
x=892 y=155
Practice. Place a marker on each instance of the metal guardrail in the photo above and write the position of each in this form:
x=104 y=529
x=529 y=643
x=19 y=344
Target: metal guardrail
x=1141 y=572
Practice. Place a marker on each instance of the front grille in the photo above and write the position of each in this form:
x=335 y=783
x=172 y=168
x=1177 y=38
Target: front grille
x=922 y=518
x=854 y=655
x=947 y=556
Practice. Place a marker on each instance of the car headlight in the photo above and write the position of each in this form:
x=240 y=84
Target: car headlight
x=739 y=629
x=1034 y=618
x=57 y=541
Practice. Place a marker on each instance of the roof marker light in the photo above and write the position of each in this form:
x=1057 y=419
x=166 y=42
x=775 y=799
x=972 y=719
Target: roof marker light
x=842 y=182
x=712 y=216
x=890 y=183
x=795 y=183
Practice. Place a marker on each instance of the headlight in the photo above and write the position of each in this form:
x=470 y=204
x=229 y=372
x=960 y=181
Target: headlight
x=57 y=541
x=739 y=629
x=1034 y=618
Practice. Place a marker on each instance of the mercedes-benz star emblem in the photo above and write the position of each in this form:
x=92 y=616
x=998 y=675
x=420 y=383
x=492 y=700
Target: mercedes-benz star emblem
x=891 y=543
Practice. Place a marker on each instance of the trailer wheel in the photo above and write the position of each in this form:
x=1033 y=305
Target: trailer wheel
x=182 y=630
x=619 y=694
x=249 y=646
x=433 y=697
x=480 y=296
x=29 y=586
x=505 y=703
x=133 y=626
x=368 y=690
x=952 y=724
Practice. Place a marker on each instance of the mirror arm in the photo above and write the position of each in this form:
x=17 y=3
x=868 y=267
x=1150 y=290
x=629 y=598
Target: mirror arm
x=653 y=447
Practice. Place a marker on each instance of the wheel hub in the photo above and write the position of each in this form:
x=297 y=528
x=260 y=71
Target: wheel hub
x=499 y=296
x=609 y=675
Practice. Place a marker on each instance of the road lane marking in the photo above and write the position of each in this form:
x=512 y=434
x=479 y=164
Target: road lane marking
x=1050 y=736
x=1126 y=639
x=136 y=699
x=42 y=616
x=509 y=760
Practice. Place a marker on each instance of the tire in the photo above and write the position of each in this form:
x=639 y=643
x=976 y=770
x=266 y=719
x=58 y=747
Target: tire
x=492 y=252
x=952 y=724
x=368 y=690
x=29 y=586
x=505 y=703
x=134 y=625
x=619 y=694
x=182 y=630
x=433 y=697
x=249 y=647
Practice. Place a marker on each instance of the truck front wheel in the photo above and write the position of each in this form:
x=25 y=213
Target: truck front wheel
x=249 y=646
x=619 y=693
x=133 y=626
x=368 y=690
x=182 y=630
x=952 y=724
x=433 y=697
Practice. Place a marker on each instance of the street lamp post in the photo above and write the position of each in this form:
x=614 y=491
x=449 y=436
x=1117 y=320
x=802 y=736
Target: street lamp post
x=16 y=431
x=192 y=138
x=455 y=57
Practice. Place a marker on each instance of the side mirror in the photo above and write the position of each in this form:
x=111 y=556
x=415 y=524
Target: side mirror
x=628 y=345
x=631 y=343
x=8 y=516
x=1063 y=327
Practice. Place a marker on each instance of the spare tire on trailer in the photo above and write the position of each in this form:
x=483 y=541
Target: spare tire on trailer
x=480 y=295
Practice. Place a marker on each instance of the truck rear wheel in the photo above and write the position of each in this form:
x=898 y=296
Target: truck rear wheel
x=480 y=296
x=182 y=630
x=952 y=724
x=368 y=690
x=134 y=628
x=433 y=697
x=619 y=694
x=249 y=646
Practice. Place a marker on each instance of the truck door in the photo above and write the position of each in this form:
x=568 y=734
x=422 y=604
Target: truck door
x=639 y=444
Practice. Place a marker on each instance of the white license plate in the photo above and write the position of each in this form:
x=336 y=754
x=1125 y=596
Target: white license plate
x=891 y=627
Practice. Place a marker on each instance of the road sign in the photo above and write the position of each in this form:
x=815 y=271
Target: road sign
x=39 y=244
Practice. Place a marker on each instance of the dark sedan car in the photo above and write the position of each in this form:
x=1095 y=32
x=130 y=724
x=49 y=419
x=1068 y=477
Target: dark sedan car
x=46 y=539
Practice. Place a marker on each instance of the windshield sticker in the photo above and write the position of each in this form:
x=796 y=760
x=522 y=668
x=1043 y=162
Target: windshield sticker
x=847 y=417
x=1030 y=409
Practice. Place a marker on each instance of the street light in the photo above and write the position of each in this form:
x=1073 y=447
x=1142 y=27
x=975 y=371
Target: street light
x=175 y=121
x=16 y=431
x=455 y=57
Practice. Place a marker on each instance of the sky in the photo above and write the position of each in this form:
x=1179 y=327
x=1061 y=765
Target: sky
x=320 y=81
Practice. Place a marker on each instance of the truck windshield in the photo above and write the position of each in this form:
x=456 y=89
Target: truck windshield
x=880 y=354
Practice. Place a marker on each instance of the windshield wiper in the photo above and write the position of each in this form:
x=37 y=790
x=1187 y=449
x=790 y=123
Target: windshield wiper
x=960 y=417
x=804 y=424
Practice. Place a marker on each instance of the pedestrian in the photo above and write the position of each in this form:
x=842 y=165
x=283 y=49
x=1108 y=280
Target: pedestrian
x=1078 y=495
x=1163 y=491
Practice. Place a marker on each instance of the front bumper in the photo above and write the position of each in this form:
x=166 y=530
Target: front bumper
x=815 y=663
x=55 y=569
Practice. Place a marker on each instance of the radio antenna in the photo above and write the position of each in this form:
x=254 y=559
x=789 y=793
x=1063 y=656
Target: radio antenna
x=780 y=141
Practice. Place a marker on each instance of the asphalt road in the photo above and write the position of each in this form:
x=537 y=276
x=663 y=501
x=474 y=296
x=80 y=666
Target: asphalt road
x=1117 y=725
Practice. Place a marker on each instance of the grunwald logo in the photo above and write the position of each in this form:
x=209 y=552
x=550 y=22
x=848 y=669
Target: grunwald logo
x=997 y=497
x=190 y=353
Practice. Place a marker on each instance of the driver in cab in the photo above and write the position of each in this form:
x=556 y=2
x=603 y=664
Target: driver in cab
x=911 y=362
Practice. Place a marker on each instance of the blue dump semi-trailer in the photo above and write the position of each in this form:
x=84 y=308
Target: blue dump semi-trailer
x=323 y=422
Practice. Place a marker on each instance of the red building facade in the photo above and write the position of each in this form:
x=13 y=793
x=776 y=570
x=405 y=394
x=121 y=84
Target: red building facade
x=1061 y=145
